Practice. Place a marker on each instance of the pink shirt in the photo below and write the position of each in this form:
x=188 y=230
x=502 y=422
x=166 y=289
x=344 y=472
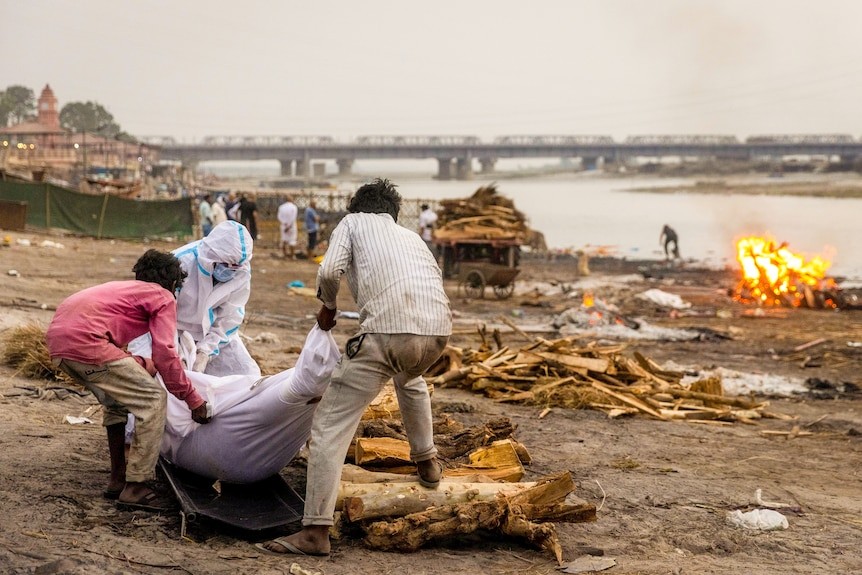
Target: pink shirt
x=95 y=325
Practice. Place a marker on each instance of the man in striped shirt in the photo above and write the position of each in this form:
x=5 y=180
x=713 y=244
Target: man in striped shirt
x=405 y=323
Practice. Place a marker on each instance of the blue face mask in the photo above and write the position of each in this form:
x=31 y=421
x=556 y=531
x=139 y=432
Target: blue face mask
x=222 y=273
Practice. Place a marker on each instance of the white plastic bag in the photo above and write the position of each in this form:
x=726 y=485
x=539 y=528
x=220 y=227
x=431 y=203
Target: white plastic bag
x=758 y=519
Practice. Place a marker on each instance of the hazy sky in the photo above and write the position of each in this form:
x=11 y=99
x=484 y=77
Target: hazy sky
x=191 y=68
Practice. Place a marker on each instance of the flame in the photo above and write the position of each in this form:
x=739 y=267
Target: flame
x=589 y=300
x=774 y=275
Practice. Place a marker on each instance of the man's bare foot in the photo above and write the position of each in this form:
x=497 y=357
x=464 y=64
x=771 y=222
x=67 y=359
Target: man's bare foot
x=134 y=492
x=311 y=540
x=137 y=496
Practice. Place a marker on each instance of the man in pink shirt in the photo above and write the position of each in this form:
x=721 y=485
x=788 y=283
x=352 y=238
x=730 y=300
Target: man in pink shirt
x=87 y=339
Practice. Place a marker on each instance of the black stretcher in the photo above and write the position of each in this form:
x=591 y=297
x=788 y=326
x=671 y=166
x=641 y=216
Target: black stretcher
x=254 y=507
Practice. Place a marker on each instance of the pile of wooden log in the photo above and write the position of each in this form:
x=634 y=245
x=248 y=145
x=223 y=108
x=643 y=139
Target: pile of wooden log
x=480 y=490
x=563 y=373
x=486 y=215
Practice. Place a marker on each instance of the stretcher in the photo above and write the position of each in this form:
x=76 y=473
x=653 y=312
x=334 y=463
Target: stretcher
x=253 y=507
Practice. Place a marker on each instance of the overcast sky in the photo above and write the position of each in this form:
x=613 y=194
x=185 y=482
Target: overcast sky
x=191 y=68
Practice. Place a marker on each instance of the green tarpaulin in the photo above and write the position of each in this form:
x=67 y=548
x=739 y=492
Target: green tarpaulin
x=102 y=216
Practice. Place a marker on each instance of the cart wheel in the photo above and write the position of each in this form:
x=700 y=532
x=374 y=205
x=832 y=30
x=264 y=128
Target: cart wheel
x=474 y=285
x=506 y=291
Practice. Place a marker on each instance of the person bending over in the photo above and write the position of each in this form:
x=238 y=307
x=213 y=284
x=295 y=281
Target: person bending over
x=86 y=339
x=211 y=303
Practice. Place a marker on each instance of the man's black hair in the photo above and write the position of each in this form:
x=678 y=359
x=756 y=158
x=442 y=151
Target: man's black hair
x=423 y=207
x=378 y=197
x=162 y=268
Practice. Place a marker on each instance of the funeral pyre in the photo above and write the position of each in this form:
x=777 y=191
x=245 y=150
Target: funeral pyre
x=773 y=275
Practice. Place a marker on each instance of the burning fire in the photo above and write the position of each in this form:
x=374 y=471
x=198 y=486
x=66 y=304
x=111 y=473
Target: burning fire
x=774 y=275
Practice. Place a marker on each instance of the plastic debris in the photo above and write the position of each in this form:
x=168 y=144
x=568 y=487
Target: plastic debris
x=14 y=273
x=758 y=520
x=296 y=284
x=73 y=420
x=349 y=314
x=22 y=242
x=50 y=244
x=663 y=299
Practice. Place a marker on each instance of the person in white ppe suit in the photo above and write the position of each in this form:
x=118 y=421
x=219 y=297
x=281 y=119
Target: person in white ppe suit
x=211 y=303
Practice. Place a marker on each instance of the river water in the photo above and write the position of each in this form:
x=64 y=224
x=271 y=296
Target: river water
x=590 y=210
x=583 y=211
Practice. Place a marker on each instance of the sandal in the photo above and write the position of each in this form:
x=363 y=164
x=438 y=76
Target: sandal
x=149 y=502
x=111 y=494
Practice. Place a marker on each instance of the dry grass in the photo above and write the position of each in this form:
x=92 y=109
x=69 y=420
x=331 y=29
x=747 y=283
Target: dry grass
x=25 y=350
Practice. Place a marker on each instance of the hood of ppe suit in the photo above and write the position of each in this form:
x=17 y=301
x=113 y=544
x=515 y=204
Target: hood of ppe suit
x=228 y=243
x=213 y=313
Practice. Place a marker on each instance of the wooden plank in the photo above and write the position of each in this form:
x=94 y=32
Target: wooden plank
x=630 y=400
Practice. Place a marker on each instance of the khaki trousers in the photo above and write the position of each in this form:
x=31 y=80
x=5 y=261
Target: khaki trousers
x=357 y=379
x=124 y=387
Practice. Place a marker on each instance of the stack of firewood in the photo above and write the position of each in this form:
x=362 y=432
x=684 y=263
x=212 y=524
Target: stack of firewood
x=486 y=215
x=562 y=373
x=480 y=489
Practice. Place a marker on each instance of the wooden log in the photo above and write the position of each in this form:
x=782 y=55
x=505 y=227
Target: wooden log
x=499 y=460
x=505 y=515
x=461 y=443
x=400 y=499
x=382 y=452
x=574 y=362
x=629 y=399
x=411 y=532
x=355 y=474
x=384 y=406
x=719 y=399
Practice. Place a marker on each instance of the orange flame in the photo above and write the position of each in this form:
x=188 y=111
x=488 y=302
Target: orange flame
x=589 y=300
x=774 y=275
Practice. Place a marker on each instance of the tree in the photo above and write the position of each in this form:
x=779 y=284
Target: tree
x=89 y=117
x=17 y=103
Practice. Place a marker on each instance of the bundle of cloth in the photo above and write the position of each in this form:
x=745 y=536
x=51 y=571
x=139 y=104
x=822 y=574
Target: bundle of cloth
x=259 y=423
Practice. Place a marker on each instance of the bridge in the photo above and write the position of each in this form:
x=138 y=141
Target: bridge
x=455 y=155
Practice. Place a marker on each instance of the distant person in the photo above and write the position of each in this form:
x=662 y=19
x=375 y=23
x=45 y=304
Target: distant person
x=231 y=207
x=427 y=222
x=312 y=226
x=218 y=212
x=668 y=236
x=206 y=215
x=87 y=340
x=248 y=214
x=405 y=323
x=287 y=213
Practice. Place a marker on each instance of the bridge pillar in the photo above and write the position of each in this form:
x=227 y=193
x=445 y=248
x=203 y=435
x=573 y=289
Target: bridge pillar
x=286 y=167
x=302 y=168
x=344 y=166
x=589 y=163
x=487 y=165
x=444 y=168
x=464 y=168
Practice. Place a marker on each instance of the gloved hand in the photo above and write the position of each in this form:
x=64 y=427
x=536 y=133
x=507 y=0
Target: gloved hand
x=201 y=361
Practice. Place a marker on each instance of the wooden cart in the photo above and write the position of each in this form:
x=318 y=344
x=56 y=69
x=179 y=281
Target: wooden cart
x=479 y=263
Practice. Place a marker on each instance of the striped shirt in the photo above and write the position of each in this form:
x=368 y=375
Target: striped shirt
x=392 y=275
